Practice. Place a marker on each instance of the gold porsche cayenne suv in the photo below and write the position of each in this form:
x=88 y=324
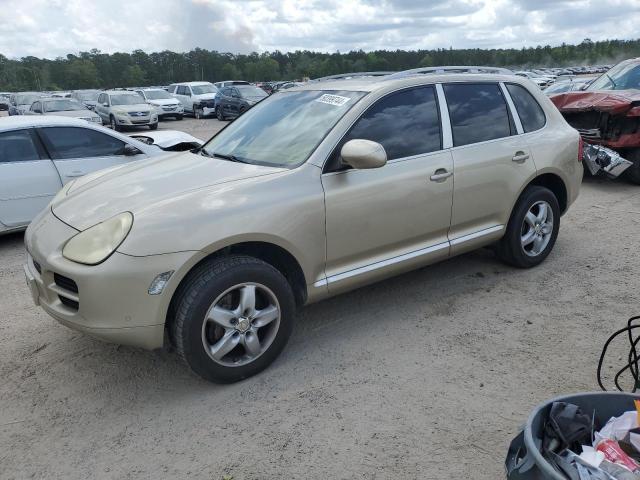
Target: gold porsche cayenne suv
x=316 y=190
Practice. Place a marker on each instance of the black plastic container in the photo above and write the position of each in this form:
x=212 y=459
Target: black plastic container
x=524 y=460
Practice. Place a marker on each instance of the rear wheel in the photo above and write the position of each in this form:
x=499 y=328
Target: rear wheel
x=633 y=172
x=233 y=318
x=532 y=229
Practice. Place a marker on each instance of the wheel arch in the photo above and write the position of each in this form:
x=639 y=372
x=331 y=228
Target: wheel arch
x=273 y=254
x=556 y=184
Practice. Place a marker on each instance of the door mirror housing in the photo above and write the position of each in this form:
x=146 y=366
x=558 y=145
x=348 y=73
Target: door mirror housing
x=130 y=150
x=363 y=154
x=105 y=104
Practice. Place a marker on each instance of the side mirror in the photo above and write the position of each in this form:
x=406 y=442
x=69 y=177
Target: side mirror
x=105 y=104
x=130 y=150
x=361 y=154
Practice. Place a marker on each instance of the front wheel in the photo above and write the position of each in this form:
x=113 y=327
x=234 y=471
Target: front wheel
x=220 y=114
x=198 y=112
x=179 y=117
x=114 y=124
x=233 y=318
x=532 y=229
x=153 y=126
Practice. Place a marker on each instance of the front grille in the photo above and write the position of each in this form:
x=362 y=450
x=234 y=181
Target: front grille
x=65 y=282
x=207 y=103
x=38 y=267
x=67 y=302
x=139 y=122
x=169 y=108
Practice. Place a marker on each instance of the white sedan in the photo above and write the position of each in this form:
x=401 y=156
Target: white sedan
x=39 y=154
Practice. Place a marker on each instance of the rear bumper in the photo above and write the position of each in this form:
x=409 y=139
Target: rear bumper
x=109 y=301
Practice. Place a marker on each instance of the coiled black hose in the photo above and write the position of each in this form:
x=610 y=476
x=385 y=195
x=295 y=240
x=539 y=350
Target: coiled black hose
x=632 y=359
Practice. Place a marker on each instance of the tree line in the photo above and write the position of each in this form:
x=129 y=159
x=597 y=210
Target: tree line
x=95 y=69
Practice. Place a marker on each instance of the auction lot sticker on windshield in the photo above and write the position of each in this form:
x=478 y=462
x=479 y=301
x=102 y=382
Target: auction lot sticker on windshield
x=335 y=100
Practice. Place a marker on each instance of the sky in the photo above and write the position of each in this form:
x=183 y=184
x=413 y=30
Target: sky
x=52 y=28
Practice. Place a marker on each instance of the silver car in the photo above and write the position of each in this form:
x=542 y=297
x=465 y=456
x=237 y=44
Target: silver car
x=64 y=107
x=122 y=109
x=40 y=154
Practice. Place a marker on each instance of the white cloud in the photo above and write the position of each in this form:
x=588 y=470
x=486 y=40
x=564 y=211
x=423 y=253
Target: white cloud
x=50 y=28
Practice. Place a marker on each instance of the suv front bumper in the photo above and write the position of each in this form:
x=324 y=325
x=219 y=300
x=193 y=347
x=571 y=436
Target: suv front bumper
x=109 y=301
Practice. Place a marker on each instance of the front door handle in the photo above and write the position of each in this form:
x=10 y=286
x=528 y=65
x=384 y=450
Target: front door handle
x=75 y=174
x=520 y=157
x=440 y=175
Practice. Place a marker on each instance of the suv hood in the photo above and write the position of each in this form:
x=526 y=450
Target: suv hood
x=614 y=101
x=164 y=101
x=139 y=185
x=205 y=96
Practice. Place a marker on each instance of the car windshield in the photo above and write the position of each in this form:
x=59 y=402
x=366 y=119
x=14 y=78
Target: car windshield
x=88 y=96
x=62 y=106
x=126 y=99
x=558 y=87
x=284 y=129
x=621 y=77
x=157 y=94
x=201 y=89
x=26 y=99
x=251 y=91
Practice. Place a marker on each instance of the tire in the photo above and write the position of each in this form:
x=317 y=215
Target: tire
x=224 y=279
x=220 y=114
x=198 y=112
x=633 y=172
x=179 y=117
x=114 y=125
x=512 y=248
x=153 y=126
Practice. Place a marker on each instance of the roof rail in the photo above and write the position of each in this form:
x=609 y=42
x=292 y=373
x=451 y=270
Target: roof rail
x=451 y=69
x=348 y=76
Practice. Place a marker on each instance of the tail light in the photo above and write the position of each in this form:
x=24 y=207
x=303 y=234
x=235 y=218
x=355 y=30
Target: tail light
x=580 y=149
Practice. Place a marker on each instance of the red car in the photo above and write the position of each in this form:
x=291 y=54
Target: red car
x=607 y=112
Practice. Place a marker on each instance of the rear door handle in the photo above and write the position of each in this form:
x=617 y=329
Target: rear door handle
x=440 y=175
x=520 y=157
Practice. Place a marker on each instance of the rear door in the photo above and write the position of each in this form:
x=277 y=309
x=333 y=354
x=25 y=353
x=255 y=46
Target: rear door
x=101 y=109
x=77 y=151
x=28 y=178
x=491 y=162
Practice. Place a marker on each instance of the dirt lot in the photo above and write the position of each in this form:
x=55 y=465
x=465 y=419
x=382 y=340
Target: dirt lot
x=428 y=375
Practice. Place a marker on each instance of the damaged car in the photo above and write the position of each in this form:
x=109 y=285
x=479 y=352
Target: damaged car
x=607 y=116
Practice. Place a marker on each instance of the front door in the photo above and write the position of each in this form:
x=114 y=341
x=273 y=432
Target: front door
x=77 y=151
x=390 y=219
x=28 y=178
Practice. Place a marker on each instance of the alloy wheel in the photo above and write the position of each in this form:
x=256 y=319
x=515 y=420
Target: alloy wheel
x=241 y=324
x=537 y=229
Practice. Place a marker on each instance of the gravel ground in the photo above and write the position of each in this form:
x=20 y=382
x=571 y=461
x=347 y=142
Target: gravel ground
x=427 y=375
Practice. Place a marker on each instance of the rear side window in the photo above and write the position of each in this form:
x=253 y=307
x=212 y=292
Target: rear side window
x=478 y=112
x=529 y=110
x=75 y=142
x=17 y=146
x=405 y=123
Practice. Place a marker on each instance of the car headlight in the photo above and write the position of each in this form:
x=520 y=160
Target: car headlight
x=95 y=244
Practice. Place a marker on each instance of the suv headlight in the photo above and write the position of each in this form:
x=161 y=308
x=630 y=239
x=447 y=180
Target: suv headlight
x=95 y=244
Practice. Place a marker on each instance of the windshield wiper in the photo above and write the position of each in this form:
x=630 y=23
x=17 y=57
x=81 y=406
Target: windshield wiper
x=611 y=79
x=232 y=158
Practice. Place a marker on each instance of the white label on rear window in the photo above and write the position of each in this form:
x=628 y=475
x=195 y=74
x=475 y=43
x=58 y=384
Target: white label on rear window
x=335 y=100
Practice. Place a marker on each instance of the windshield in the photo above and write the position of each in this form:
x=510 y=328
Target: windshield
x=88 y=96
x=126 y=99
x=157 y=94
x=26 y=99
x=62 y=106
x=250 y=91
x=558 y=87
x=284 y=129
x=201 y=89
x=621 y=77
